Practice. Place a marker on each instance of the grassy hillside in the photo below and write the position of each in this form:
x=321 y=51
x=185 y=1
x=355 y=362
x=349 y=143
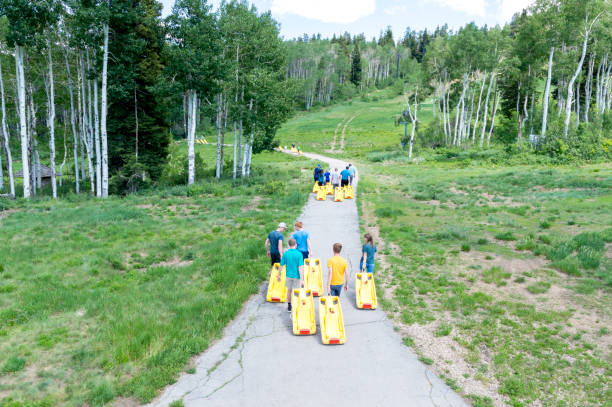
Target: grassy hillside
x=100 y=299
x=371 y=125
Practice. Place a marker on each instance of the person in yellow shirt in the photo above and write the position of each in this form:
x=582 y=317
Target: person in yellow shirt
x=336 y=272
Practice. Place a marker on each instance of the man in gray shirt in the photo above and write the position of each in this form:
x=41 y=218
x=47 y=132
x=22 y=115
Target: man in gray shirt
x=335 y=178
x=352 y=171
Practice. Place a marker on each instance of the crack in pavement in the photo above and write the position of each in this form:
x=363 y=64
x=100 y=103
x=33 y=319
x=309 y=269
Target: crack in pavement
x=430 y=388
x=241 y=347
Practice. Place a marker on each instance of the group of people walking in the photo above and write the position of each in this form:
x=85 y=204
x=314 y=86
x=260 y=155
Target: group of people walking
x=337 y=179
x=300 y=249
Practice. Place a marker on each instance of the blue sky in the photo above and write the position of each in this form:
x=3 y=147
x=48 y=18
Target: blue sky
x=370 y=16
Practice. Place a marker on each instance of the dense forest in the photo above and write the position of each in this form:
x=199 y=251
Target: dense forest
x=96 y=90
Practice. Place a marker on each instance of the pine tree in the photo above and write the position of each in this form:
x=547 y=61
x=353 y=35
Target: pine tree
x=356 y=66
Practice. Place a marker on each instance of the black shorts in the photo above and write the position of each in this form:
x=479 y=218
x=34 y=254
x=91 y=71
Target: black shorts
x=275 y=258
x=321 y=183
x=344 y=182
x=304 y=255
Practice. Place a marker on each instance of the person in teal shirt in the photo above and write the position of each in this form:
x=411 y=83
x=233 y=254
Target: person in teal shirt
x=294 y=267
x=345 y=176
x=367 y=254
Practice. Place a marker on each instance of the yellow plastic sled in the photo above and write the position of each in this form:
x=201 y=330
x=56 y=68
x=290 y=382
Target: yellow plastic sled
x=302 y=313
x=321 y=196
x=315 y=188
x=339 y=195
x=365 y=291
x=329 y=189
x=348 y=192
x=277 y=290
x=330 y=320
x=313 y=276
x=294 y=150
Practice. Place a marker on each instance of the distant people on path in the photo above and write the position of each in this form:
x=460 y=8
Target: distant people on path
x=352 y=171
x=345 y=176
x=294 y=270
x=327 y=176
x=274 y=243
x=335 y=178
x=367 y=254
x=303 y=240
x=337 y=272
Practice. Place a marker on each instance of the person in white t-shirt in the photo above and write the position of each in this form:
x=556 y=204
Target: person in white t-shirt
x=335 y=178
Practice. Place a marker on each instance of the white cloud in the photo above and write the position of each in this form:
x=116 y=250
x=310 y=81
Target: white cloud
x=507 y=8
x=327 y=11
x=471 y=7
x=395 y=10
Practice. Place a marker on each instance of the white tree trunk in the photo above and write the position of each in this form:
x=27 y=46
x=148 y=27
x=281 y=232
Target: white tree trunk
x=103 y=112
x=61 y=167
x=493 y=118
x=249 y=156
x=73 y=125
x=570 y=85
x=87 y=129
x=235 y=151
x=218 y=158
x=547 y=93
x=192 y=103
x=23 y=127
x=97 y=138
x=51 y=121
x=5 y=138
x=486 y=111
x=484 y=79
x=588 y=88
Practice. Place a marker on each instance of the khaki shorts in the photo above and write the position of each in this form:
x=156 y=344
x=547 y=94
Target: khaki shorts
x=292 y=283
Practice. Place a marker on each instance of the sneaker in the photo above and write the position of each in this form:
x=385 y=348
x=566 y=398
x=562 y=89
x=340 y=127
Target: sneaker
x=288 y=307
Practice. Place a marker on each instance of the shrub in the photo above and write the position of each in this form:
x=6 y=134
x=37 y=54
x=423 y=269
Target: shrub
x=482 y=241
x=545 y=225
x=272 y=188
x=175 y=171
x=589 y=258
x=506 y=236
x=560 y=250
x=538 y=287
x=13 y=364
x=606 y=235
x=387 y=212
x=593 y=240
x=465 y=247
x=567 y=266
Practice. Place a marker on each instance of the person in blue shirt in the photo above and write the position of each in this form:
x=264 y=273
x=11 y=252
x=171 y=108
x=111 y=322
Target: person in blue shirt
x=294 y=270
x=274 y=243
x=345 y=177
x=327 y=176
x=303 y=240
x=316 y=171
x=367 y=254
x=352 y=171
x=321 y=177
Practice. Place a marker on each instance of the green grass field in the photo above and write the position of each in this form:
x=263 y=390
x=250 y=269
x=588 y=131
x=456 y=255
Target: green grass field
x=497 y=273
x=100 y=299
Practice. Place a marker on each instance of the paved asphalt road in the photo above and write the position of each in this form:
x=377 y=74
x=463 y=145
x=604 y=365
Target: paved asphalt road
x=259 y=362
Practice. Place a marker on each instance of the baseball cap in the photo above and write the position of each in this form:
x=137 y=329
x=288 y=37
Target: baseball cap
x=282 y=225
